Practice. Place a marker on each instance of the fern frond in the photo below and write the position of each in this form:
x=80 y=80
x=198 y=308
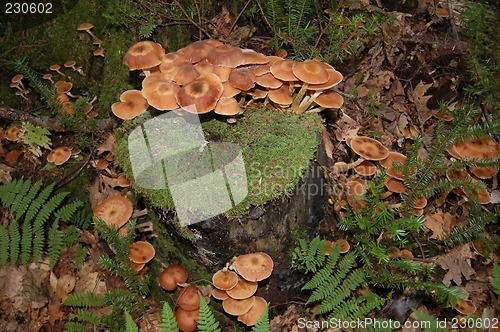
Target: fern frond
x=86 y=300
x=262 y=324
x=496 y=278
x=168 y=322
x=15 y=240
x=75 y=327
x=320 y=277
x=4 y=246
x=24 y=197
x=67 y=212
x=26 y=240
x=56 y=243
x=86 y=316
x=130 y=325
x=206 y=319
x=38 y=202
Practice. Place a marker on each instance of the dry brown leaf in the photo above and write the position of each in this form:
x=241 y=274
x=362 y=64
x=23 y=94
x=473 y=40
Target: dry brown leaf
x=346 y=127
x=5 y=171
x=107 y=146
x=457 y=263
x=55 y=313
x=65 y=285
x=440 y=223
x=327 y=142
x=99 y=190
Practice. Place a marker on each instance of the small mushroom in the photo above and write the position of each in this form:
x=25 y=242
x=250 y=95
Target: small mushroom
x=254 y=267
x=99 y=52
x=132 y=103
x=48 y=77
x=366 y=168
x=368 y=148
x=56 y=67
x=224 y=279
x=141 y=252
x=143 y=55
x=172 y=276
x=59 y=155
x=188 y=298
x=465 y=307
x=12 y=134
x=86 y=27
x=72 y=64
x=114 y=210
x=251 y=317
x=243 y=289
x=65 y=88
x=186 y=320
x=237 y=307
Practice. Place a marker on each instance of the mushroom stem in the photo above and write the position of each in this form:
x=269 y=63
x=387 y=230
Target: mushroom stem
x=305 y=105
x=92 y=35
x=71 y=95
x=299 y=96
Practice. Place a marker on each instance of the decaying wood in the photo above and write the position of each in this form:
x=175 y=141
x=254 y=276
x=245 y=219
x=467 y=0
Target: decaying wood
x=52 y=124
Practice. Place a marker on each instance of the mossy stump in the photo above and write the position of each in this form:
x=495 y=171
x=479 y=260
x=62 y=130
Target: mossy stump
x=285 y=200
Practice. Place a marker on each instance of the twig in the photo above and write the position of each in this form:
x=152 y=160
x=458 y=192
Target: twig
x=52 y=123
x=67 y=178
x=238 y=17
x=359 y=25
x=178 y=5
x=452 y=20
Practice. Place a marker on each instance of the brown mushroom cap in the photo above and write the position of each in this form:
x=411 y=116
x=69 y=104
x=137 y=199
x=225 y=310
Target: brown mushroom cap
x=356 y=188
x=267 y=80
x=161 y=95
x=219 y=294
x=59 y=155
x=251 y=317
x=366 y=168
x=394 y=185
x=281 y=96
x=243 y=289
x=282 y=70
x=254 y=58
x=334 y=78
x=388 y=163
x=227 y=106
x=405 y=253
x=144 y=54
x=132 y=103
x=242 y=78
x=226 y=55
x=255 y=266
x=55 y=67
x=186 y=73
x=141 y=251
x=311 y=71
x=369 y=148
x=201 y=95
x=114 y=211
x=465 y=307
x=84 y=26
x=329 y=99
x=229 y=91
x=16 y=78
x=70 y=63
x=481 y=148
x=237 y=307
x=12 y=134
x=188 y=298
x=204 y=67
x=223 y=72
x=224 y=279
x=344 y=246
x=173 y=275
x=197 y=51
x=64 y=87
x=420 y=203
x=187 y=320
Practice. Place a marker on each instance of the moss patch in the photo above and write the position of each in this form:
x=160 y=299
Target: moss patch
x=277 y=149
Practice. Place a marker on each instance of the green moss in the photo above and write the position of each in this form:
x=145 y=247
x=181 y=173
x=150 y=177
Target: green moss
x=277 y=149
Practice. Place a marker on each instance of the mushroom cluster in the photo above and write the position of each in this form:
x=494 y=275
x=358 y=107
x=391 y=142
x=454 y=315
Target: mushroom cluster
x=16 y=83
x=188 y=299
x=208 y=75
x=236 y=286
x=95 y=40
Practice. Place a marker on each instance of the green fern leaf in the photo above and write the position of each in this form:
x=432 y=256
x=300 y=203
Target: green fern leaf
x=206 y=319
x=4 y=246
x=75 y=327
x=21 y=191
x=26 y=240
x=15 y=240
x=56 y=243
x=87 y=316
x=168 y=321
x=67 y=212
x=325 y=272
x=86 y=300
x=37 y=203
x=27 y=200
x=262 y=324
x=130 y=325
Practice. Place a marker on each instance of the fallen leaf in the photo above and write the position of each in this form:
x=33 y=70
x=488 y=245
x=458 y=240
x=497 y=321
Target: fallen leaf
x=327 y=142
x=5 y=171
x=107 y=146
x=346 y=127
x=435 y=223
x=457 y=263
x=55 y=313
